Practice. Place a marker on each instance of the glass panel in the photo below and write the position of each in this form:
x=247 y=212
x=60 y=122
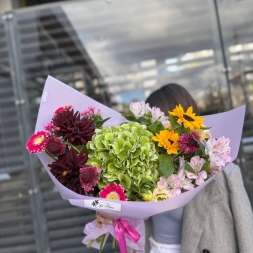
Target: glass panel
x=15 y=211
x=139 y=46
x=117 y=52
x=236 y=22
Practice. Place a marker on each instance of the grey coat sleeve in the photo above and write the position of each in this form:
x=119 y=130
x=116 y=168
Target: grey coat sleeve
x=241 y=209
x=148 y=230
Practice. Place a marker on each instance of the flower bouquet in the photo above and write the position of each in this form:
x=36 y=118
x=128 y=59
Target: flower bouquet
x=129 y=167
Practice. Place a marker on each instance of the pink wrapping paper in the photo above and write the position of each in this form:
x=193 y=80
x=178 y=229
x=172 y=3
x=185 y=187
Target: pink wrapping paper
x=56 y=94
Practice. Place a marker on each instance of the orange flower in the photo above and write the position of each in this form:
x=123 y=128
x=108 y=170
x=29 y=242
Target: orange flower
x=188 y=118
x=168 y=140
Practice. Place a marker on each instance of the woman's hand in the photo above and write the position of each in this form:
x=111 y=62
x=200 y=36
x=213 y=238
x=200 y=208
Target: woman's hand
x=103 y=219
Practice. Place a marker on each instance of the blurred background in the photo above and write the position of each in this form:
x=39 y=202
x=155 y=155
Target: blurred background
x=115 y=51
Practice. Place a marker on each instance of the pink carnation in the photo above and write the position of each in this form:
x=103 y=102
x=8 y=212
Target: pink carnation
x=187 y=142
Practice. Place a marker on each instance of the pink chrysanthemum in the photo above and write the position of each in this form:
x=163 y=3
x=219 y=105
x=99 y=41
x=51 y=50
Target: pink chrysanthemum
x=63 y=108
x=187 y=142
x=51 y=127
x=55 y=146
x=89 y=177
x=114 y=192
x=37 y=142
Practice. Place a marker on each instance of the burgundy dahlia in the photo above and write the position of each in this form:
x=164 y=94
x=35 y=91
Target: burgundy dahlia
x=89 y=177
x=187 y=142
x=55 y=146
x=66 y=170
x=73 y=128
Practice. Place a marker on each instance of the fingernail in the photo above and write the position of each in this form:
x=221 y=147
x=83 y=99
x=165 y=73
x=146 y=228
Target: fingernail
x=110 y=222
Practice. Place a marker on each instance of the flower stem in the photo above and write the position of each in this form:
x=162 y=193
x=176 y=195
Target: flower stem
x=51 y=156
x=114 y=243
x=90 y=243
x=72 y=146
x=177 y=154
x=102 y=243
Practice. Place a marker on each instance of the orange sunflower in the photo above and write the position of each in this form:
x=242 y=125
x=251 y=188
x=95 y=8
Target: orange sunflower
x=188 y=118
x=168 y=140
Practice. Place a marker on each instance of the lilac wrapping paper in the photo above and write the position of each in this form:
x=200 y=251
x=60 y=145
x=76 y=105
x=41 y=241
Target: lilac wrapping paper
x=56 y=94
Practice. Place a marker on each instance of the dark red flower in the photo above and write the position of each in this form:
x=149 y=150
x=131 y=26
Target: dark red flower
x=187 y=142
x=66 y=170
x=89 y=176
x=55 y=146
x=72 y=128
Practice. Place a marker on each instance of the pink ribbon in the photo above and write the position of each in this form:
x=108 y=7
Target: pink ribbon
x=123 y=228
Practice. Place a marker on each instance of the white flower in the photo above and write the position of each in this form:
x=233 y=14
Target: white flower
x=139 y=109
x=219 y=151
x=200 y=175
x=157 y=114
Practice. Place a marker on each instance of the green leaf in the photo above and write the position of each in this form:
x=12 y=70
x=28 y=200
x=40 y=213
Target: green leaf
x=130 y=117
x=198 y=152
x=155 y=127
x=143 y=121
x=173 y=122
x=189 y=168
x=200 y=145
x=128 y=193
x=99 y=123
x=185 y=130
x=166 y=166
x=206 y=167
x=205 y=128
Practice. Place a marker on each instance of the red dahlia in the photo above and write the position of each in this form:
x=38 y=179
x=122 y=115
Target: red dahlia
x=72 y=128
x=66 y=170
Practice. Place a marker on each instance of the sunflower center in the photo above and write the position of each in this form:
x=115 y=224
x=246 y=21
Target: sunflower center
x=39 y=140
x=187 y=117
x=170 y=141
x=113 y=195
x=64 y=173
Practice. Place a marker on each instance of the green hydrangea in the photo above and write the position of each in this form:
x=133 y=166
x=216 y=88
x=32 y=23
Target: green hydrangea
x=126 y=155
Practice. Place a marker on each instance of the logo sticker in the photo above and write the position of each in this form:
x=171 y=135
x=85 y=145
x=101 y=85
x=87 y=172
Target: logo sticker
x=101 y=204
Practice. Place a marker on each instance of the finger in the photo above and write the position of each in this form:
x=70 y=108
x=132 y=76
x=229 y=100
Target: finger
x=106 y=216
x=104 y=220
x=98 y=224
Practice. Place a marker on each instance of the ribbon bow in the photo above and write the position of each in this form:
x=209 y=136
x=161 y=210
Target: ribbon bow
x=123 y=228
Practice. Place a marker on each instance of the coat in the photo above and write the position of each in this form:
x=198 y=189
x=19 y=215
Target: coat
x=218 y=219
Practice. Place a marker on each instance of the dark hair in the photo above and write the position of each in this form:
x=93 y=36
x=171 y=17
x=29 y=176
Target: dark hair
x=170 y=95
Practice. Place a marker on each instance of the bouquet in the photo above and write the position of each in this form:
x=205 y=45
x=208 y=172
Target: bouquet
x=129 y=167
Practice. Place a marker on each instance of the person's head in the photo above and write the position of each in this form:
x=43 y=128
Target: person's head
x=170 y=95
